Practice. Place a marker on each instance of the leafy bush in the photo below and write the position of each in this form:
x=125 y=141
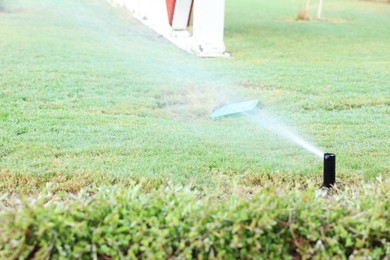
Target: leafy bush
x=173 y=222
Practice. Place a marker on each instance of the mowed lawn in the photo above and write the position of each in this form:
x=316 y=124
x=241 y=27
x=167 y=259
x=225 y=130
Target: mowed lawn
x=89 y=95
x=107 y=151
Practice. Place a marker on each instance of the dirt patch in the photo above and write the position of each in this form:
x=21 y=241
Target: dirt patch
x=324 y=19
x=192 y=103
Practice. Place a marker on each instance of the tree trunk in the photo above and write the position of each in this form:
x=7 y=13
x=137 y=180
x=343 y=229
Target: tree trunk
x=319 y=11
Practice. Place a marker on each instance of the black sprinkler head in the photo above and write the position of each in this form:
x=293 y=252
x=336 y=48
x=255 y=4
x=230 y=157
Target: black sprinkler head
x=329 y=170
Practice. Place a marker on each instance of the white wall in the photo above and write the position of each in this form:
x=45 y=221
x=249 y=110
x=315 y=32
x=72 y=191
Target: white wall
x=208 y=23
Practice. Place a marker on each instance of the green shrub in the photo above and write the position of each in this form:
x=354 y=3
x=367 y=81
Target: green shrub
x=117 y=222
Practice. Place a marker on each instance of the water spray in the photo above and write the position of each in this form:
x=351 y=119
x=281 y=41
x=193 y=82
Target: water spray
x=272 y=124
x=329 y=170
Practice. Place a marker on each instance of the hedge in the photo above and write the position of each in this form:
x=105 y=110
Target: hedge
x=117 y=222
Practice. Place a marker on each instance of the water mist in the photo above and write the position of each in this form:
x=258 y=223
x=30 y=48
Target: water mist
x=271 y=123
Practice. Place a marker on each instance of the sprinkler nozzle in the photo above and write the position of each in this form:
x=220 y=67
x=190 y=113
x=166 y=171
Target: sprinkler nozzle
x=329 y=170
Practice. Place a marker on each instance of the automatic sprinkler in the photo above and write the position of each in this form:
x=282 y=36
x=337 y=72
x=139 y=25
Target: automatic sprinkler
x=329 y=170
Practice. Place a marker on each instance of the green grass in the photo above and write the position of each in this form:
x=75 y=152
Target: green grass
x=89 y=97
x=85 y=91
